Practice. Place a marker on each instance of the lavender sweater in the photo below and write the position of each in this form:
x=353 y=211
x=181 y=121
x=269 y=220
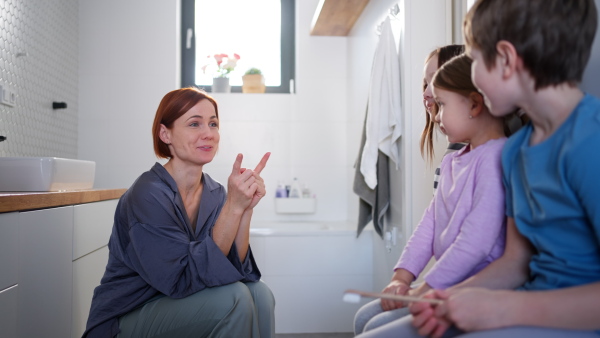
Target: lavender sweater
x=464 y=227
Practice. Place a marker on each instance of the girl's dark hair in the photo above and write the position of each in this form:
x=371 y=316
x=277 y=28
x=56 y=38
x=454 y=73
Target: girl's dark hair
x=444 y=54
x=173 y=106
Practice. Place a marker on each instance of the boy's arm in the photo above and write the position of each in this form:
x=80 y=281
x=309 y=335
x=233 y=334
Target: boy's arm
x=474 y=309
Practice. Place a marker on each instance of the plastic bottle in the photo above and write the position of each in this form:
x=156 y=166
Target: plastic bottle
x=305 y=191
x=295 y=191
x=281 y=192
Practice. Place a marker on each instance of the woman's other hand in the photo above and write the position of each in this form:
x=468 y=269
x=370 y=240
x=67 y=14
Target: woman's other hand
x=261 y=190
x=241 y=185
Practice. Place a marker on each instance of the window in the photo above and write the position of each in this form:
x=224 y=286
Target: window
x=261 y=32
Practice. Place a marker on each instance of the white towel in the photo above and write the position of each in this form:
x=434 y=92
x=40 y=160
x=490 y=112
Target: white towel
x=383 y=128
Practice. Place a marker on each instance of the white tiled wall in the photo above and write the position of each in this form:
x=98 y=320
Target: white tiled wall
x=39 y=62
x=127 y=67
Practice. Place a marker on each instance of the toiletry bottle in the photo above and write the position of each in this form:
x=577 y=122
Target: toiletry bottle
x=295 y=189
x=281 y=192
x=305 y=191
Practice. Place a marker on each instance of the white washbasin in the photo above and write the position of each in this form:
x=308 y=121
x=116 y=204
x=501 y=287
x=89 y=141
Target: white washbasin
x=45 y=174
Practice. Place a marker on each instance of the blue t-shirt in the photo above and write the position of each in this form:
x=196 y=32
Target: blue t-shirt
x=553 y=193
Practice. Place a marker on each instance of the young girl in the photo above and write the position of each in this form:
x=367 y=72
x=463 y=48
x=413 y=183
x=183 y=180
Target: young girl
x=464 y=226
x=433 y=62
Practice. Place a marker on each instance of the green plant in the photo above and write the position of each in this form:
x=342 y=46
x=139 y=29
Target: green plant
x=253 y=71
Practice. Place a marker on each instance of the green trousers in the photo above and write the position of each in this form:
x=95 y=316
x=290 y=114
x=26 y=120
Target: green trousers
x=234 y=310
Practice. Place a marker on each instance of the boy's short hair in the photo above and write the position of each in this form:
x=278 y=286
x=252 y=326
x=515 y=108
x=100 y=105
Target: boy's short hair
x=553 y=37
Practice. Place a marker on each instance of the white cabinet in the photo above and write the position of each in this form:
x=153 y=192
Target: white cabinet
x=92 y=227
x=9 y=237
x=45 y=273
x=50 y=262
x=87 y=272
x=8 y=313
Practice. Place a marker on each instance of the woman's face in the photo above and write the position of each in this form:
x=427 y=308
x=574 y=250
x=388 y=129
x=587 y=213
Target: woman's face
x=194 y=136
x=428 y=71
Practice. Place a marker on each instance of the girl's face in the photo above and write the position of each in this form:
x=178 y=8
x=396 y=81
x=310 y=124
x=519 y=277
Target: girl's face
x=453 y=114
x=428 y=71
x=194 y=136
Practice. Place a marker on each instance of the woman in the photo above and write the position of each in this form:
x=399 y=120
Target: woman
x=180 y=263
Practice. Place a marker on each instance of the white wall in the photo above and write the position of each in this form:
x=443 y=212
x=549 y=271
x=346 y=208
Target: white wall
x=424 y=26
x=591 y=80
x=38 y=62
x=129 y=60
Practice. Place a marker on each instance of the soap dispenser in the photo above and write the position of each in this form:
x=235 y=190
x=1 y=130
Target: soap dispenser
x=295 y=191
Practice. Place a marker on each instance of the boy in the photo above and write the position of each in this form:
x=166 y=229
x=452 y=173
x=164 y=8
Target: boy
x=531 y=54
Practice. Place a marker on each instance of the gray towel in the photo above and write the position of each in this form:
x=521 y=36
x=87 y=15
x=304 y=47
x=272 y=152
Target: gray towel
x=373 y=203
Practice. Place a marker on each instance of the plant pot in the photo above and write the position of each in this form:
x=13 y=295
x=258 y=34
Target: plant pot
x=253 y=83
x=221 y=85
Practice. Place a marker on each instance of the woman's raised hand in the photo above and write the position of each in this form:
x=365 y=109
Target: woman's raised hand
x=245 y=187
x=261 y=190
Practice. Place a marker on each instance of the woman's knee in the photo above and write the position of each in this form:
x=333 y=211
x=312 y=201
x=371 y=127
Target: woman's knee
x=261 y=293
x=238 y=295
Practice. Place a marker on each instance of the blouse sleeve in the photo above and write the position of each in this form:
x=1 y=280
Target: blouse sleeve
x=419 y=249
x=155 y=243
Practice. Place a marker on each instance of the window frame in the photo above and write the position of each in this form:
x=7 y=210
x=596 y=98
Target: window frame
x=288 y=50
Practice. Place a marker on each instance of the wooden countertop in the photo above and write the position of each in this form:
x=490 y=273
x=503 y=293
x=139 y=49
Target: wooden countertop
x=21 y=201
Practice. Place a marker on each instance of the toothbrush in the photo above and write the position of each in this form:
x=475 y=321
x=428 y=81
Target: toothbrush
x=353 y=296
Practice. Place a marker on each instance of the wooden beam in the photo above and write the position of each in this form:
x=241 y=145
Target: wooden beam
x=336 y=17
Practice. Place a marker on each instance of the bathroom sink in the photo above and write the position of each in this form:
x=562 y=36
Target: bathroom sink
x=45 y=174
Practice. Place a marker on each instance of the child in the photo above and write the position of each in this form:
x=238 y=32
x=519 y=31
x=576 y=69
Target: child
x=532 y=54
x=463 y=227
x=433 y=62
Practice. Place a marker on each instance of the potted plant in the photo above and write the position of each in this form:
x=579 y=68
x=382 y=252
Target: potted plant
x=225 y=64
x=253 y=81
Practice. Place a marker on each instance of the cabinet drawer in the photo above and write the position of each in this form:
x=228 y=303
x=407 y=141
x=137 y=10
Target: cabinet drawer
x=8 y=312
x=9 y=238
x=92 y=226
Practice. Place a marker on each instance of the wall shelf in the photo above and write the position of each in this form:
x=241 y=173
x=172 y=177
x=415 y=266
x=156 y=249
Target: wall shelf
x=336 y=17
x=295 y=205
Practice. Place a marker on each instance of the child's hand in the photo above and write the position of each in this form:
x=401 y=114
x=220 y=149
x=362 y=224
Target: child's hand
x=396 y=288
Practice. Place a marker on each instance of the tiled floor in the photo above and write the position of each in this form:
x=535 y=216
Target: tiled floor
x=315 y=335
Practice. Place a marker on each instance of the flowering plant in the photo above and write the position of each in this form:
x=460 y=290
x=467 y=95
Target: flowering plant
x=225 y=64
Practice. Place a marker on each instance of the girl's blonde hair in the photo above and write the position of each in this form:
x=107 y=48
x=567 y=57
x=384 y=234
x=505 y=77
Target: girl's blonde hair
x=444 y=54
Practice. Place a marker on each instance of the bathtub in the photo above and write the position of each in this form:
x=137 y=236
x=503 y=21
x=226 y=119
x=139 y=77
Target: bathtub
x=308 y=265
x=302 y=229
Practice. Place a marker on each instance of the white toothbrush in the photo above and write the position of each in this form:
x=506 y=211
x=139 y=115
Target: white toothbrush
x=353 y=296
